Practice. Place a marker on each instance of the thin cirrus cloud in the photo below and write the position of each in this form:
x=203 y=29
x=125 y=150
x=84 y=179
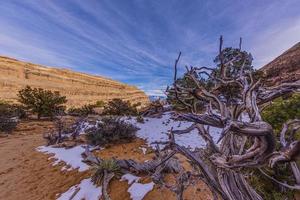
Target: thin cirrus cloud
x=137 y=41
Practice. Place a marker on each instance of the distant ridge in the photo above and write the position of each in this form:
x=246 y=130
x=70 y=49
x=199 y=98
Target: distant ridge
x=80 y=88
x=284 y=68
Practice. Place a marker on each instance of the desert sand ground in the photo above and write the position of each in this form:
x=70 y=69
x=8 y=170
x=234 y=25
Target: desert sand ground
x=29 y=175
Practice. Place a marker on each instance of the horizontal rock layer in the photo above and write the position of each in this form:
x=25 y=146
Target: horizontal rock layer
x=79 y=88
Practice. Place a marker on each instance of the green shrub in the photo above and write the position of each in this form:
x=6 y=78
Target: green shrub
x=42 y=102
x=7 y=125
x=99 y=104
x=120 y=108
x=110 y=166
x=12 y=110
x=267 y=188
x=111 y=130
x=84 y=110
x=81 y=111
x=282 y=110
x=9 y=116
x=184 y=82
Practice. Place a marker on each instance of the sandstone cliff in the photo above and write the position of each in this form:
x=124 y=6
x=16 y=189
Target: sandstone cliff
x=79 y=88
x=284 y=68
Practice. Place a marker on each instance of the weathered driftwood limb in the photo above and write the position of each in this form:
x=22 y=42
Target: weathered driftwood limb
x=207 y=138
x=268 y=94
x=289 y=149
x=155 y=109
x=163 y=163
x=296 y=171
x=74 y=193
x=89 y=157
x=106 y=179
x=292 y=187
x=55 y=136
x=208 y=175
x=183 y=180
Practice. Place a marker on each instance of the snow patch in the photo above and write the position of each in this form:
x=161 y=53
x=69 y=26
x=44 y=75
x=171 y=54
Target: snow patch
x=87 y=191
x=71 y=157
x=144 y=150
x=137 y=190
x=130 y=178
x=156 y=129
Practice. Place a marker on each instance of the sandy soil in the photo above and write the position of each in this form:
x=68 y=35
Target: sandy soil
x=28 y=174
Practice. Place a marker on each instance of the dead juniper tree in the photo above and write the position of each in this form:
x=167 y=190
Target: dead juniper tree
x=231 y=99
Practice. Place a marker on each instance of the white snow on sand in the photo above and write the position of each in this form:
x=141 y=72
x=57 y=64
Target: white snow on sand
x=71 y=157
x=137 y=190
x=130 y=178
x=143 y=149
x=153 y=130
x=156 y=129
x=88 y=191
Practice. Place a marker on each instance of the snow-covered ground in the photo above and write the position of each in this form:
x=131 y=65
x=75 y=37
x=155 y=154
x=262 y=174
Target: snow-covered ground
x=88 y=191
x=137 y=190
x=84 y=190
x=156 y=129
x=72 y=157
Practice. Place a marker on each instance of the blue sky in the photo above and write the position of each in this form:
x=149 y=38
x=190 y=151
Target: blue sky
x=137 y=41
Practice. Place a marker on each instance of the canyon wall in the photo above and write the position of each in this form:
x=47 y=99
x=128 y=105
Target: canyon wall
x=284 y=68
x=79 y=88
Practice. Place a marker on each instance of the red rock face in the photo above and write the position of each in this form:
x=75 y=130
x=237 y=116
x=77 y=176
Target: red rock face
x=284 y=68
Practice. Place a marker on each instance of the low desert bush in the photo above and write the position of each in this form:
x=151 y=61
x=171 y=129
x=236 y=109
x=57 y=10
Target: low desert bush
x=9 y=116
x=111 y=130
x=7 y=125
x=120 y=108
x=12 y=110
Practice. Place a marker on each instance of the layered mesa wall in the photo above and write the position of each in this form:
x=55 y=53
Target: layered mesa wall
x=79 y=88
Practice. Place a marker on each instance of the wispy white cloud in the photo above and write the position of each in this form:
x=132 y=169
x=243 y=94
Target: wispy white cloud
x=138 y=41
